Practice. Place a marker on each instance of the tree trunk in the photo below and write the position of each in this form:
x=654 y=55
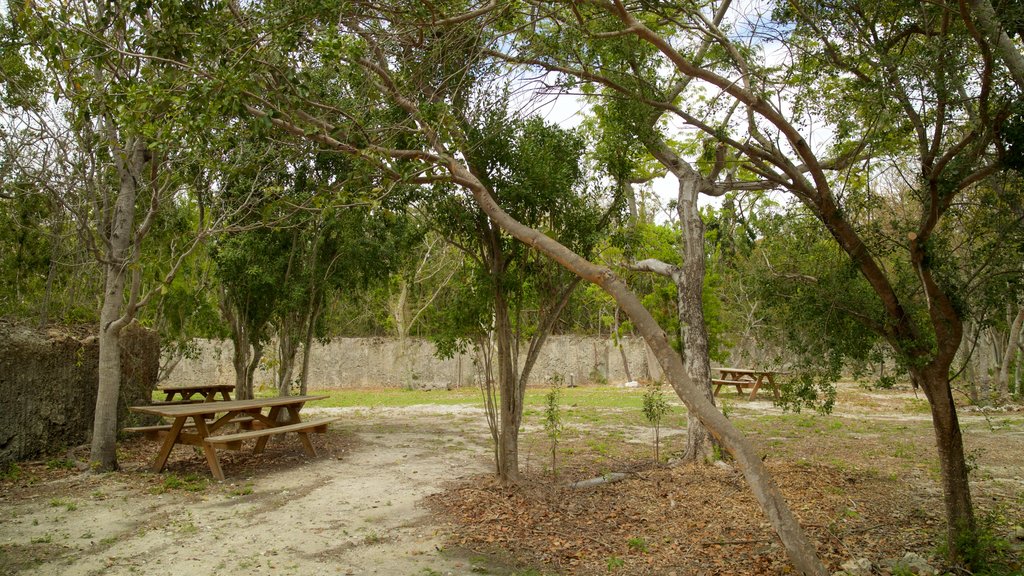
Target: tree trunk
x=250 y=369
x=1004 y=45
x=622 y=349
x=287 y=347
x=307 y=345
x=693 y=330
x=956 y=489
x=510 y=404
x=51 y=274
x=800 y=551
x=241 y=352
x=1009 y=353
x=103 y=452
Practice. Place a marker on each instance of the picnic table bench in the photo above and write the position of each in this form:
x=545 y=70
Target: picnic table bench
x=190 y=426
x=742 y=378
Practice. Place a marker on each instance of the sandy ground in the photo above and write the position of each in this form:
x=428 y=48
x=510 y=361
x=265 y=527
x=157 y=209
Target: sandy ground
x=358 y=512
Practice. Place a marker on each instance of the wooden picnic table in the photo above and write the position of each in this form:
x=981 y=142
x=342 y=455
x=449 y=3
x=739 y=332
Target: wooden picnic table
x=746 y=378
x=208 y=392
x=190 y=425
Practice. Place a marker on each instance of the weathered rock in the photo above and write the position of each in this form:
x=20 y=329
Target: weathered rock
x=914 y=564
x=608 y=478
x=857 y=567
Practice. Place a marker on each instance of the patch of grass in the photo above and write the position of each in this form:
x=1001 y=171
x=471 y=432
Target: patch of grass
x=578 y=397
x=903 y=450
x=614 y=563
x=189 y=483
x=637 y=544
x=10 y=472
x=60 y=464
x=917 y=406
x=66 y=504
x=241 y=491
x=44 y=539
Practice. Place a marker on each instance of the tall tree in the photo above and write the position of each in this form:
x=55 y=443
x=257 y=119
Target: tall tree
x=402 y=65
x=889 y=79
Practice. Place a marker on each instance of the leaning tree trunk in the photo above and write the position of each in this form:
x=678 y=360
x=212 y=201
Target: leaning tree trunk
x=800 y=551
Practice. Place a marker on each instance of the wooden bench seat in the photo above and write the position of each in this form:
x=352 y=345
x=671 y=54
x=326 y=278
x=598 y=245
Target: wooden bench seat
x=319 y=426
x=739 y=384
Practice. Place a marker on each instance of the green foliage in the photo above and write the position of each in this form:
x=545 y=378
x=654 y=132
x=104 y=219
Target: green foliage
x=614 y=563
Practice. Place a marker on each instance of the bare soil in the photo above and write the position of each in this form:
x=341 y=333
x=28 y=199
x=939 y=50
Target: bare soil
x=409 y=492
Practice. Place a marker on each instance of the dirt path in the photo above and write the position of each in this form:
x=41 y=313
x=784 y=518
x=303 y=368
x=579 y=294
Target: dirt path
x=355 y=513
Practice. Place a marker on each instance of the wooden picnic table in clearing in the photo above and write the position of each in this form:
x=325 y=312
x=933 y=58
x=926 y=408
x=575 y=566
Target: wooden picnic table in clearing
x=190 y=426
x=746 y=378
x=208 y=392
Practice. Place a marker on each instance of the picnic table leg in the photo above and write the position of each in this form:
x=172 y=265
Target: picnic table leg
x=208 y=449
x=757 y=386
x=307 y=444
x=169 y=442
x=261 y=442
x=775 y=389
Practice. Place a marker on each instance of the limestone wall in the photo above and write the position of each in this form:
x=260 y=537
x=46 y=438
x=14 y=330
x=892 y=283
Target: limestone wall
x=371 y=362
x=48 y=382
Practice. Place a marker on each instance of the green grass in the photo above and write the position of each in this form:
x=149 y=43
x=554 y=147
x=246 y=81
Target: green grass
x=580 y=397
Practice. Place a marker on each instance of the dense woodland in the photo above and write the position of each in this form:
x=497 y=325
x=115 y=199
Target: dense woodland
x=280 y=173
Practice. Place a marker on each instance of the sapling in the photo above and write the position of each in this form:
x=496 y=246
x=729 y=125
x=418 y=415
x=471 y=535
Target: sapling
x=553 y=419
x=655 y=408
